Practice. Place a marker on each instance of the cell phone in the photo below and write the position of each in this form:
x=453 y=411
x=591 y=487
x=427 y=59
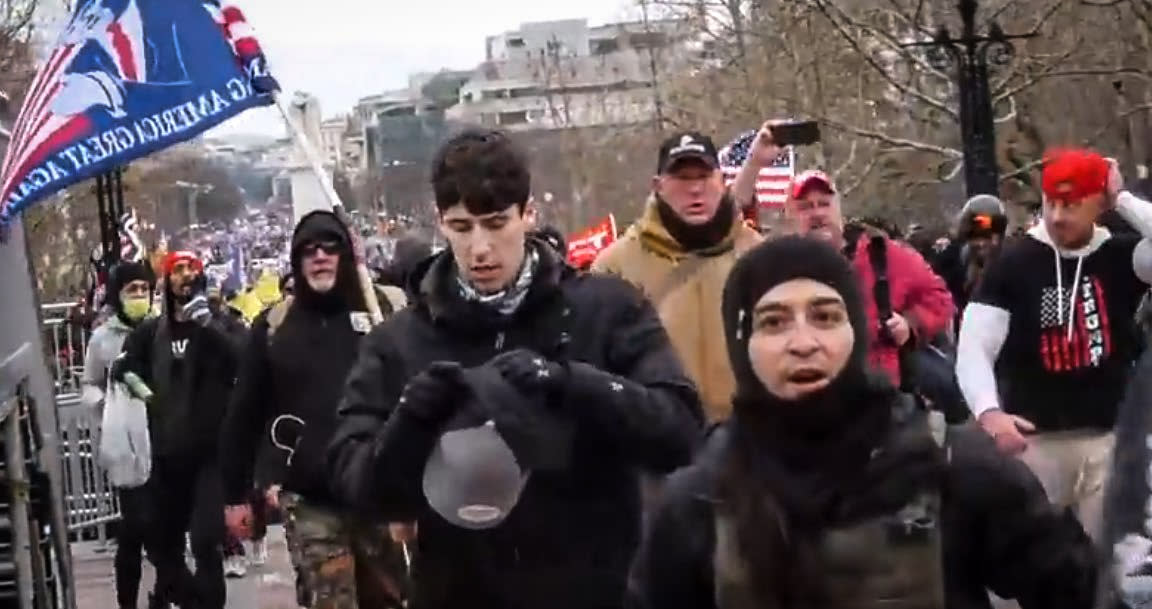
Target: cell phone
x=798 y=133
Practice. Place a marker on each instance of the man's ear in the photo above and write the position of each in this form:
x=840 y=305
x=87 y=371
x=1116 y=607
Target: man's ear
x=531 y=212
x=656 y=184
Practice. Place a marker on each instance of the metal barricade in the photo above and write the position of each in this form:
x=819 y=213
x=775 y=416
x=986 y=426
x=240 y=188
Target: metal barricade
x=91 y=502
x=65 y=343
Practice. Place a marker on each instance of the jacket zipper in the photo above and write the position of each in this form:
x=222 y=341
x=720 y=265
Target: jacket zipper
x=499 y=341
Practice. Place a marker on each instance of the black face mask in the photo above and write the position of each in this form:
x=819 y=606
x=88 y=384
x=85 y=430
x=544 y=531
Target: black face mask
x=813 y=422
x=694 y=237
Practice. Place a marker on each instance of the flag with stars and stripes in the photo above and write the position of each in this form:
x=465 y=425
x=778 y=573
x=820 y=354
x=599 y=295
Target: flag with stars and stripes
x=131 y=247
x=128 y=78
x=774 y=181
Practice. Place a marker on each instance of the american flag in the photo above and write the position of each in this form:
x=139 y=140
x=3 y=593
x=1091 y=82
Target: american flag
x=242 y=37
x=131 y=247
x=1090 y=338
x=772 y=186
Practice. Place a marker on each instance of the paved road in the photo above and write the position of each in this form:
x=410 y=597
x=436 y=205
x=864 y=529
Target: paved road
x=271 y=586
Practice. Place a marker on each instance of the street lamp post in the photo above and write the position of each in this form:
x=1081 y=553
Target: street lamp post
x=970 y=56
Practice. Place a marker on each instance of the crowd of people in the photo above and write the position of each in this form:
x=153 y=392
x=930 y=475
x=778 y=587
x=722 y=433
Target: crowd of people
x=825 y=417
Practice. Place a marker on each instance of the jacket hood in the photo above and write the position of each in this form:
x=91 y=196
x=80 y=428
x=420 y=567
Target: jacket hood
x=1100 y=236
x=324 y=225
x=409 y=252
x=656 y=237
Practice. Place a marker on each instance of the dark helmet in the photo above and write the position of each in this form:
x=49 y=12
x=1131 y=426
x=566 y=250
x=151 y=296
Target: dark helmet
x=982 y=216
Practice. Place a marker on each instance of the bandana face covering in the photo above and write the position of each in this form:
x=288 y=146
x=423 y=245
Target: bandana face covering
x=509 y=299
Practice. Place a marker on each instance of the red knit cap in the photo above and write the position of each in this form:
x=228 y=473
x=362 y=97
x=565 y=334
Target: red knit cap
x=182 y=256
x=1072 y=174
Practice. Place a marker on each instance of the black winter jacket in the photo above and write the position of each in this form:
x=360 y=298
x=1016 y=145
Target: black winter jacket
x=300 y=372
x=185 y=416
x=571 y=537
x=297 y=373
x=1000 y=533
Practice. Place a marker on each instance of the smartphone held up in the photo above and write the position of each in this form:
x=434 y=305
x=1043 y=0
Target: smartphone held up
x=795 y=133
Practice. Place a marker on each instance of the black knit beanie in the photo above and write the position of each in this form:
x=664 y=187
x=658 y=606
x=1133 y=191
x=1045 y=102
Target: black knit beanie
x=121 y=275
x=770 y=264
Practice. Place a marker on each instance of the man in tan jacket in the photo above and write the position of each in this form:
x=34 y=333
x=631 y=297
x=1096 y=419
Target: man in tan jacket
x=680 y=252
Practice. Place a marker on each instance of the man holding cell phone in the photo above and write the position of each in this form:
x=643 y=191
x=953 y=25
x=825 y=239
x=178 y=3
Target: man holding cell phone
x=913 y=306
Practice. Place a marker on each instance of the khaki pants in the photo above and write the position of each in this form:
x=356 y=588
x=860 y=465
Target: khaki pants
x=1074 y=466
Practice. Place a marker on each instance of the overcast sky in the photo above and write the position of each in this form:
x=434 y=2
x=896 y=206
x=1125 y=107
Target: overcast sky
x=342 y=50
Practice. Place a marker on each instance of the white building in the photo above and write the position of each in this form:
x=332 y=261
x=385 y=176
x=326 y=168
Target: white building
x=332 y=132
x=559 y=74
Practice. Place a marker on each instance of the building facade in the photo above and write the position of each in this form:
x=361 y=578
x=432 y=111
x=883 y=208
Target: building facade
x=567 y=74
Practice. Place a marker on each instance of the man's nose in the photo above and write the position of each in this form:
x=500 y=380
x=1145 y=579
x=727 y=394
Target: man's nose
x=481 y=245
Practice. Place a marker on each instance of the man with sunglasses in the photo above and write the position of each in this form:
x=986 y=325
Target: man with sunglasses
x=291 y=378
x=190 y=366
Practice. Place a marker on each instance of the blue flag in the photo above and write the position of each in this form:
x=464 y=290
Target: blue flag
x=128 y=78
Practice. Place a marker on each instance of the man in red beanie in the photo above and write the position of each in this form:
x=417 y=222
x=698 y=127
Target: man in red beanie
x=191 y=366
x=1047 y=341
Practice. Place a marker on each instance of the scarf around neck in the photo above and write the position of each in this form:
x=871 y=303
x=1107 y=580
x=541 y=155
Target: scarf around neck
x=508 y=300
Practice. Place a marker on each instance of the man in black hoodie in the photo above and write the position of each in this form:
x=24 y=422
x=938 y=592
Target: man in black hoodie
x=190 y=366
x=291 y=377
x=589 y=349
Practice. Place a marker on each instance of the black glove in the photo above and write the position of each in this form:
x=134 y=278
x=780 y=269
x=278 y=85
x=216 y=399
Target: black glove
x=529 y=371
x=118 y=368
x=432 y=396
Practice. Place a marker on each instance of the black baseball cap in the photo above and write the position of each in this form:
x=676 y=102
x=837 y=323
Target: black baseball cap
x=687 y=145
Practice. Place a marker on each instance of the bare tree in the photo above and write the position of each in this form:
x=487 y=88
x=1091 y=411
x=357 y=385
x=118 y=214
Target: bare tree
x=892 y=133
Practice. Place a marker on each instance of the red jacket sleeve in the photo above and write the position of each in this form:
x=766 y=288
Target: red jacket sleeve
x=928 y=305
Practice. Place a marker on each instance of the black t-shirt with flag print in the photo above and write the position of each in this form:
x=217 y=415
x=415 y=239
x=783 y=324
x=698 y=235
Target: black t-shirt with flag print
x=1066 y=359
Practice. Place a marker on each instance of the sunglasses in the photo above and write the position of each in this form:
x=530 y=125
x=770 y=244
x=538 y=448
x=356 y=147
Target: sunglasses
x=329 y=247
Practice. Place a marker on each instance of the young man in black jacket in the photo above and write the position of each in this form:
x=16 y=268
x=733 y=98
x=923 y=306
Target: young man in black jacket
x=291 y=377
x=586 y=349
x=190 y=365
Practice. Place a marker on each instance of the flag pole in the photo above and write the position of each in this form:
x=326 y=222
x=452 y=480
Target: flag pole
x=301 y=138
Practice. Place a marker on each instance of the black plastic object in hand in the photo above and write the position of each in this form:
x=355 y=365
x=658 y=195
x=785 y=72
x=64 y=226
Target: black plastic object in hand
x=432 y=396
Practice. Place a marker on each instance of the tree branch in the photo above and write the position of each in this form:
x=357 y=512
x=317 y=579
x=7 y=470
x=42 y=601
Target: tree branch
x=864 y=173
x=823 y=7
x=895 y=143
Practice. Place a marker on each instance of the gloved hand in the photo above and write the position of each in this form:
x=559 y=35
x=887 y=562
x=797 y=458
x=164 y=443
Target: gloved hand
x=529 y=371
x=432 y=396
x=118 y=368
x=197 y=310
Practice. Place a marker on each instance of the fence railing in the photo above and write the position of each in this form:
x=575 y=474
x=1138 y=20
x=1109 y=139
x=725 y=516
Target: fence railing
x=90 y=500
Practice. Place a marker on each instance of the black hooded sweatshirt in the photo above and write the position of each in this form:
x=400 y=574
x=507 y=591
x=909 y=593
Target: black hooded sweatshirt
x=788 y=472
x=191 y=369
x=299 y=370
x=569 y=540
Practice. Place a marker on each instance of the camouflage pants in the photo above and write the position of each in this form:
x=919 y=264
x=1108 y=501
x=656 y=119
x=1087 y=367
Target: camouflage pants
x=342 y=563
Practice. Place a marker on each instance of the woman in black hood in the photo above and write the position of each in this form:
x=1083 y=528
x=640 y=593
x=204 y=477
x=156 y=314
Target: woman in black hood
x=828 y=490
